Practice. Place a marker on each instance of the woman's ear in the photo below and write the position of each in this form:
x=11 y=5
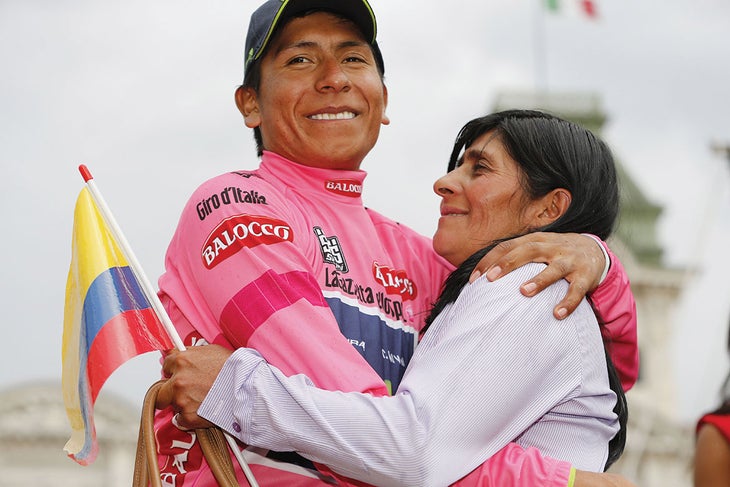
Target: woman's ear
x=553 y=205
x=248 y=104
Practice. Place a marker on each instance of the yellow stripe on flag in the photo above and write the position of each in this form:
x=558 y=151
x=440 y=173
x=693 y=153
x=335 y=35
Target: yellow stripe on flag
x=93 y=251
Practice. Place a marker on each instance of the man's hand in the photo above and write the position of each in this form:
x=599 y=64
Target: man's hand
x=576 y=258
x=592 y=479
x=191 y=374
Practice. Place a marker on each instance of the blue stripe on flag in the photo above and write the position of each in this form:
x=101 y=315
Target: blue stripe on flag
x=114 y=291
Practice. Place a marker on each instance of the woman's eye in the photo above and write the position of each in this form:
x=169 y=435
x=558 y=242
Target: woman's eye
x=481 y=167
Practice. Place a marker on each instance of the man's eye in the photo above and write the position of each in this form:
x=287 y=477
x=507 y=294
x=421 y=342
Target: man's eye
x=298 y=60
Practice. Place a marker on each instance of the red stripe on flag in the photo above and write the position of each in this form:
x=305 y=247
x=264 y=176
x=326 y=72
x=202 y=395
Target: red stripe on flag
x=123 y=337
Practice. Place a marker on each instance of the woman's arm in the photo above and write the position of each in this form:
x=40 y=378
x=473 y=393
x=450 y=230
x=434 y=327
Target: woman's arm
x=470 y=390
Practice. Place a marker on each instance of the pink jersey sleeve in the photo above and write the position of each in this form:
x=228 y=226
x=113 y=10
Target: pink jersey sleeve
x=242 y=273
x=514 y=466
x=614 y=305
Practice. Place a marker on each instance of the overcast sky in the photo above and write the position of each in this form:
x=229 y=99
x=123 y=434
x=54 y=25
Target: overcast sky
x=142 y=92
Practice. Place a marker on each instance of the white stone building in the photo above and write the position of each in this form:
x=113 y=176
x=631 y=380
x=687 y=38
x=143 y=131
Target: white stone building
x=34 y=429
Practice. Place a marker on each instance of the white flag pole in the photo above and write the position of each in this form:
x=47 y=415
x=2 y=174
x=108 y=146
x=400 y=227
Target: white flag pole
x=134 y=264
x=151 y=296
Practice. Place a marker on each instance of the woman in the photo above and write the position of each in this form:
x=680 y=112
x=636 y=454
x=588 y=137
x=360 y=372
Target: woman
x=477 y=380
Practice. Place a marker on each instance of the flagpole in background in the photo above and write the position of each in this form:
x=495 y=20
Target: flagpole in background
x=586 y=8
x=540 y=45
x=151 y=296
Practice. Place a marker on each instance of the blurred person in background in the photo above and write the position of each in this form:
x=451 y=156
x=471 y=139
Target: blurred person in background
x=712 y=449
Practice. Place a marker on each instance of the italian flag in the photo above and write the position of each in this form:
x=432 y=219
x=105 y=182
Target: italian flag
x=586 y=7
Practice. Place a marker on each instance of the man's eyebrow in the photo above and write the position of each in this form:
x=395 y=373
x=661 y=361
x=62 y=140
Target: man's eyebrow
x=352 y=44
x=295 y=45
x=311 y=44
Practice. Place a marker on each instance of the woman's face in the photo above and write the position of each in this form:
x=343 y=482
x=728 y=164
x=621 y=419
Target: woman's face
x=481 y=201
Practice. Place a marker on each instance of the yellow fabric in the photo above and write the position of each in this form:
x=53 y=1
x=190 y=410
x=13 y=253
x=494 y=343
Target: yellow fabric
x=93 y=251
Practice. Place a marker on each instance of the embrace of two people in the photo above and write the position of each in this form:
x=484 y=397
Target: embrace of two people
x=343 y=348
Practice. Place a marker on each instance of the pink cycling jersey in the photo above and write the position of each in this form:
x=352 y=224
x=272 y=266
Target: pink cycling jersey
x=287 y=260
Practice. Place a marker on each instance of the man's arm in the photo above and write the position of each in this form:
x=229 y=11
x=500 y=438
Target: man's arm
x=613 y=303
x=570 y=256
x=593 y=479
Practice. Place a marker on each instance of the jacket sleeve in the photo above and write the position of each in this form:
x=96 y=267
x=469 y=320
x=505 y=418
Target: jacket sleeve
x=613 y=303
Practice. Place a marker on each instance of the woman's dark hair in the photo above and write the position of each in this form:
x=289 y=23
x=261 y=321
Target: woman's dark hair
x=551 y=153
x=555 y=153
x=252 y=78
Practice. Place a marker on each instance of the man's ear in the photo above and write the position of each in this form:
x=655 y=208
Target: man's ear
x=248 y=104
x=385 y=120
x=553 y=205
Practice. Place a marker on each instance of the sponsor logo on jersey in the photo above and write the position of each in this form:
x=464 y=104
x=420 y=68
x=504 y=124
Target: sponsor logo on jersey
x=331 y=250
x=357 y=343
x=395 y=281
x=393 y=358
x=228 y=196
x=241 y=231
x=347 y=285
x=391 y=307
x=344 y=187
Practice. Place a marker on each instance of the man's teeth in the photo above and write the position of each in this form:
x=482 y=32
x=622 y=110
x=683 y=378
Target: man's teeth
x=333 y=116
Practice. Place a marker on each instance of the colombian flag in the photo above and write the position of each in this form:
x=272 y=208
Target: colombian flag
x=107 y=321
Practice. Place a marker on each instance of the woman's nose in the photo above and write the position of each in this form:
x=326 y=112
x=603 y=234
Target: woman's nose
x=445 y=185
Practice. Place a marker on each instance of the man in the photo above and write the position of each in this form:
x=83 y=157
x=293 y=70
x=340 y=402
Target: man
x=285 y=259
